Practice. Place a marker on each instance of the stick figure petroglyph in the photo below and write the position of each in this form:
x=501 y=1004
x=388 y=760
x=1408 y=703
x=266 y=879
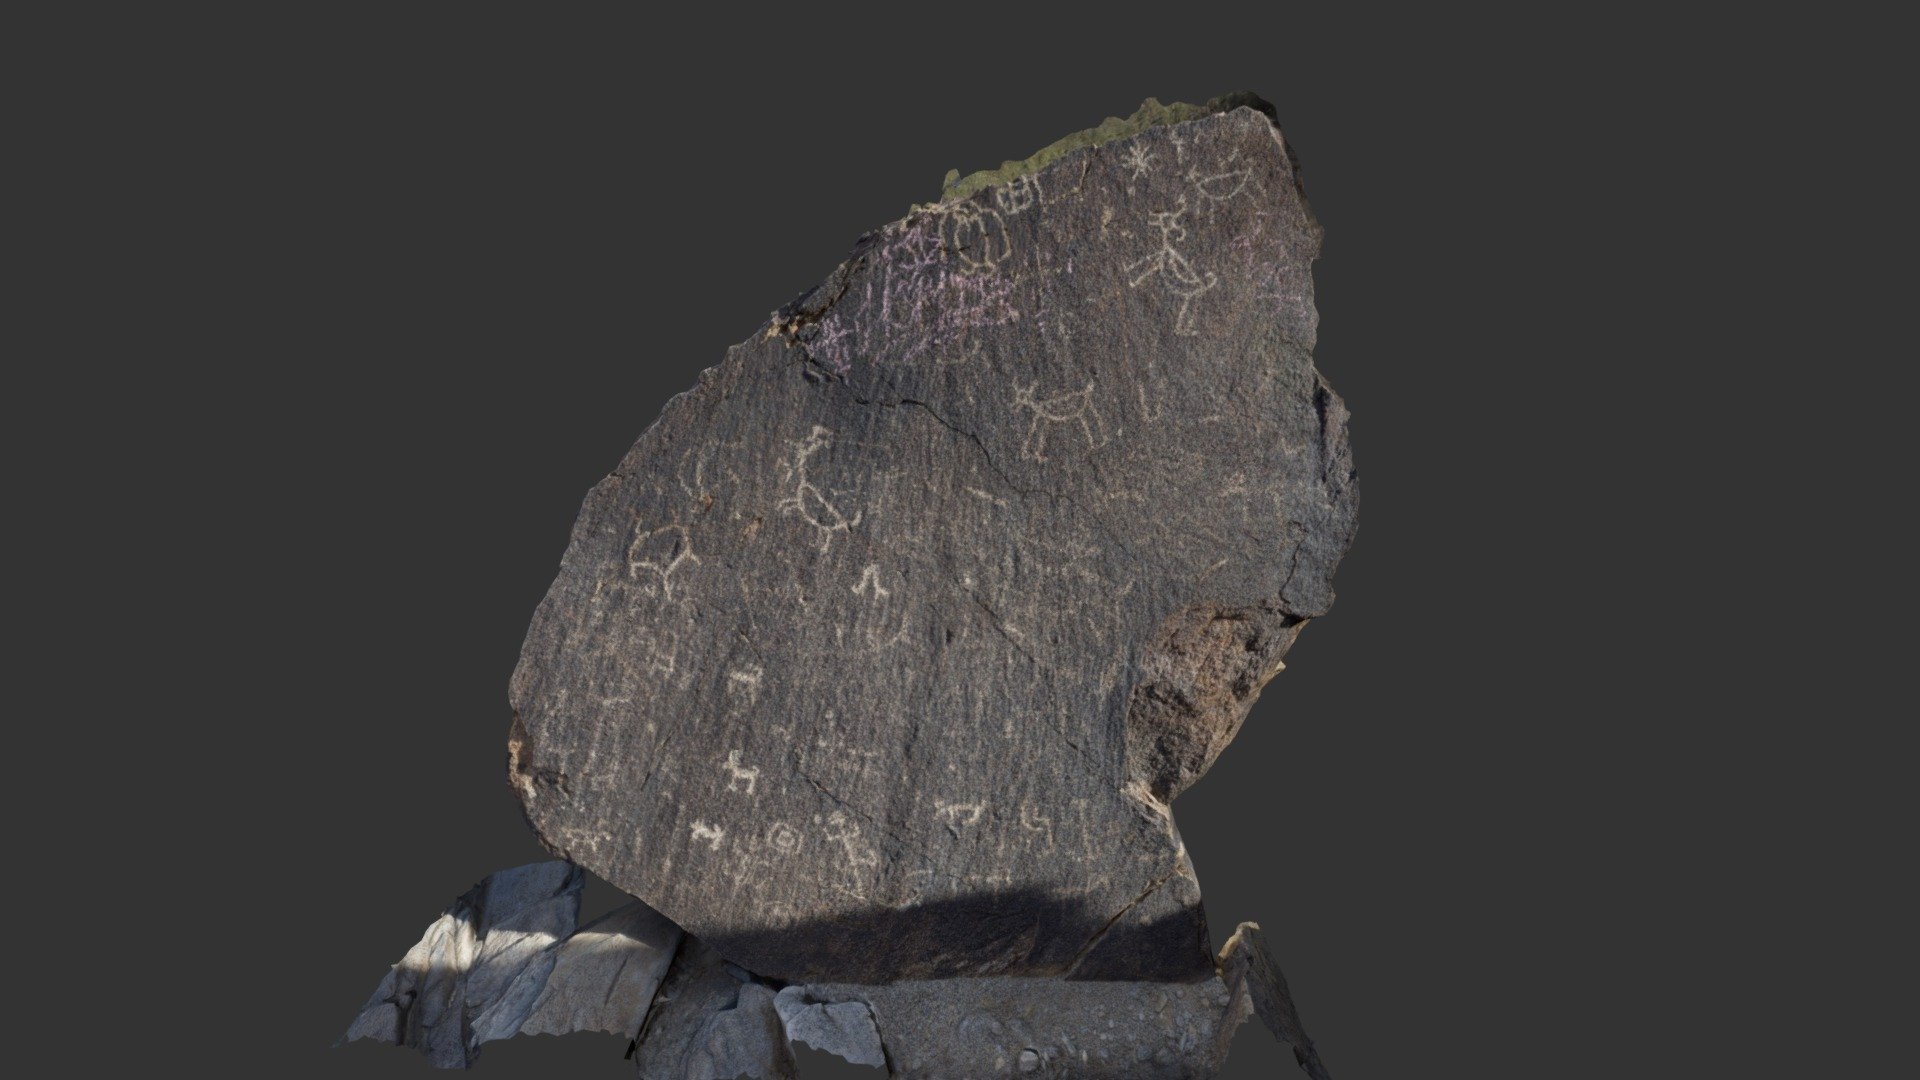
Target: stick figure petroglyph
x=847 y=834
x=1076 y=405
x=1139 y=160
x=808 y=500
x=1173 y=269
x=737 y=775
x=659 y=552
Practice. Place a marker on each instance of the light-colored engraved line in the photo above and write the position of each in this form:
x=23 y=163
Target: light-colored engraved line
x=847 y=834
x=1219 y=187
x=956 y=815
x=1041 y=827
x=746 y=680
x=783 y=838
x=808 y=500
x=737 y=774
x=1176 y=274
x=1019 y=194
x=1150 y=408
x=870 y=583
x=712 y=834
x=975 y=235
x=1071 y=407
x=979 y=494
x=1139 y=160
x=661 y=564
x=662 y=650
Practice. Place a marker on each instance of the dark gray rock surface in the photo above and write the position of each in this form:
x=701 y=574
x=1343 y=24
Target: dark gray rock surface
x=845 y=1028
x=885 y=650
x=713 y=1021
x=965 y=1029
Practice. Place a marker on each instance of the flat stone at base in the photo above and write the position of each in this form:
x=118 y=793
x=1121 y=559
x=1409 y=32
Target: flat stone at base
x=468 y=958
x=712 y=1021
x=602 y=978
x=965 y=1029
x=845 y=1028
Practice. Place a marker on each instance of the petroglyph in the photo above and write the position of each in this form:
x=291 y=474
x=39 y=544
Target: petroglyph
x=1172 y=268
x=712 y=834
x=1073 y=407
x=1041 y=826
x=1020 y=193
x=659 y=552
x=745 y=682
x=885 y=585
x=1218 y=187
x=783 y=838
x=808 y=500
x=659 y=648
x=958 y=815
x=870 y=583
x=741 y=779
x=975 y=235
x=846 y=832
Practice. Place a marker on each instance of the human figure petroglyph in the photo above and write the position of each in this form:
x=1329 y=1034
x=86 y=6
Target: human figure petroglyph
x=807 y=499
x=1075 y=406
x=1173 y=269
x=845 y=832
x=740 y=778
x=659 y=552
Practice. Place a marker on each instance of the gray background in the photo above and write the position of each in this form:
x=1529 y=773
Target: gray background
x=381 y=291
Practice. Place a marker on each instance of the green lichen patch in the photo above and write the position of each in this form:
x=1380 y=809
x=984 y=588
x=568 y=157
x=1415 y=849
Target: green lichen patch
x=1150 y=114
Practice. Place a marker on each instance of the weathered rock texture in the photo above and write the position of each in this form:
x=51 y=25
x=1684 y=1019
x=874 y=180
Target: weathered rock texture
x=713 y=1021
x=501 y=962
x=883 y=653
x=467 y=960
